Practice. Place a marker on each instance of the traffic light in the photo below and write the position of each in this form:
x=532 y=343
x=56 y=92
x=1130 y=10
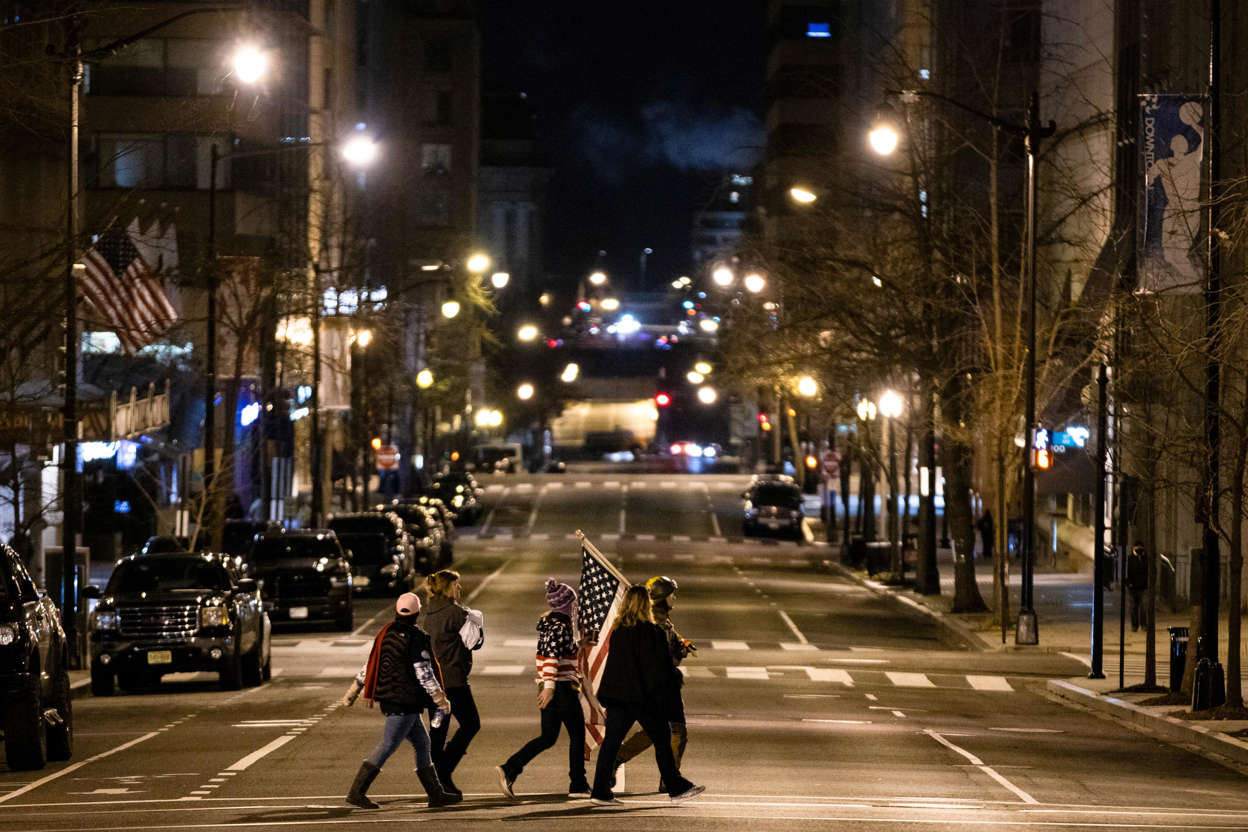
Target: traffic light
x=1042 y=450
x=662 y=399
x=375 y=442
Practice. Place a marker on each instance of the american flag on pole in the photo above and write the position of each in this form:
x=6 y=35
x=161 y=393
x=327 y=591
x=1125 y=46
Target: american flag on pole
x=599 y=598
x=124 y=283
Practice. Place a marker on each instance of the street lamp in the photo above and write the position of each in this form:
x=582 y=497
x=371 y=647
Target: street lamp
x=250 y=64
x=808 y=387
x=524 y=392
x=703 y=367
x=801 y=195
x=570 y=373
x=722 y=276
x=883 y=139
x=598 y=278
x=1032 y=132
x=866 y=479
x=526 y=333
x=450 y=309
x=478 y=263
x=501 y=279
x=754 y=283
x=707 y=395
x=610 y=304
x=424 y=379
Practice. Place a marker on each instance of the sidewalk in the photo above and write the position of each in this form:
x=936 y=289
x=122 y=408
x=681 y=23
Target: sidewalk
x=1063 y=606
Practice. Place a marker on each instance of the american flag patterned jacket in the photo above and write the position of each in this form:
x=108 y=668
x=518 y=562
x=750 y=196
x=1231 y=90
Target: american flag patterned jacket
x=556 y=650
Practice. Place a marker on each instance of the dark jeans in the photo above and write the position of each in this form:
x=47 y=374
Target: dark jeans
x=565 y=710
x=446 y=755
x=620 y=717
x=1136 y=600
x=401 y=727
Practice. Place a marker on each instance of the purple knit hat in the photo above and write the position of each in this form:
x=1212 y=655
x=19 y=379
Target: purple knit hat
x=560 y=596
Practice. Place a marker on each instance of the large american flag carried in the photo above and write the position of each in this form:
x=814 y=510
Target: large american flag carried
x=601 y=592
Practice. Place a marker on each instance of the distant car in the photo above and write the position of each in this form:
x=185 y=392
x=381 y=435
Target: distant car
x=383 y=556
x=773 y=506
x=459 y=490
x=171 y=612
x=432 y=532
x=165 y=543
x=34 y=671
x=555 y=466
x=504 y=458
x=304 y=575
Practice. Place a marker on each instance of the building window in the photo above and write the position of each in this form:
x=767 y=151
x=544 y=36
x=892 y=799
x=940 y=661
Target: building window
x=435 y=159
x=438 y=55
x=161 y=67
x=439 y=107
x=327 y=89
x=132 y=161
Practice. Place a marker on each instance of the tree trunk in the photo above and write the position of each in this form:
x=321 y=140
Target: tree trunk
x=958 y=521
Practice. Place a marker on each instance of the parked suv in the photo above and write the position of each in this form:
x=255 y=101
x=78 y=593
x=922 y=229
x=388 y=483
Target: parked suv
x=34 y=671
x=424 y=528
x=460 y=491
x=773 y=505
x=304 y=575
x=174 y=612
x=382 y=554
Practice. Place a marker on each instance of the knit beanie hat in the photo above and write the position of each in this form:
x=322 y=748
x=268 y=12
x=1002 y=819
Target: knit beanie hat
x=408 y=604
x=560 y=596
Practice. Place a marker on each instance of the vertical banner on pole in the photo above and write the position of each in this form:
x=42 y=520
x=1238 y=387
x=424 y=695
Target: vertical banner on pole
x=1172 y=147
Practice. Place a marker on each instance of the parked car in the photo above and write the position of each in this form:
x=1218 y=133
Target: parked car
x=774 y=506
x=459 y=490
x=501 y=458
x=237 y=536
x=172 y=612
x=382 y=554
x=304 y=575
x=34 y=671
x=446 y=517
x=165 y=543
x=429 y=536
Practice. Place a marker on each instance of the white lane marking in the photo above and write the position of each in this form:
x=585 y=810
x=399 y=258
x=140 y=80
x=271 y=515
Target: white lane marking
x=259 y=753
x=844 y=660
x=486 y=581
x=623 y=515
x=553 y=485
x=899 y=714
x=757 y=673
x=645 y=537
x=489 y=518
x=612 y=484
x=524 y=486
x=830 y=674
x=839 y=721
x=270 y=723
x=539 y=536
x=518 y=642
x=727 y=644
x=645 y=556
x=639 y=483
x=610 y=536
x=584 y=484
x=909 y=680
x=697 y=672
x=990 y=683
x=681 y=538
x=502 y=670
x=684 y=557
x=1030 y=730
x=978 y=763
x=533 y=511
x=716 y=533
x=717 y=538
x=798 y=633
x=667 y=484
x=872 y=697
x=788 y=645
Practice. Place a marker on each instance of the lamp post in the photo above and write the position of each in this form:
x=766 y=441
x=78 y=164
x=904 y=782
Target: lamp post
x=359 y=151
x=890 y=409
x=883 y=140
x=866 y=477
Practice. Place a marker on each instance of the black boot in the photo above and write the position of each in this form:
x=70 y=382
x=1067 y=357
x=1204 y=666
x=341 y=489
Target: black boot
x=363 y=779
x=448 y=785
x=433 y=787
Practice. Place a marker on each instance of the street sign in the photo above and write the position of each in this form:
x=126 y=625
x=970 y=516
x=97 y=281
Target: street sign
x=388 y=458
x=831 y=463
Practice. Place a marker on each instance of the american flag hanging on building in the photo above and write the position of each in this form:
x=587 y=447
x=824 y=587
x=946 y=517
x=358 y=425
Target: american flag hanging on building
x=599 y=598
x=126 y=289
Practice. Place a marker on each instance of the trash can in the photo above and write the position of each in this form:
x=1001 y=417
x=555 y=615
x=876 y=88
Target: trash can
x=1178 y=656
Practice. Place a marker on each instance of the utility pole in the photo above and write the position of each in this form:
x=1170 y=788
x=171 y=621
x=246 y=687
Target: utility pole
x=1098 y=539
x=71 y=503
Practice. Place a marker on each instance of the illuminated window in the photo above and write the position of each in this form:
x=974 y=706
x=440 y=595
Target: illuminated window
x=435 y=159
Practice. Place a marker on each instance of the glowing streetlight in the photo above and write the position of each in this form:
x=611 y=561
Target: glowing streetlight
x=807 y=386
x=703 y=367
x=570 y=373
x=610 y=304
x=363 y=337
x=544 y=299
x=695 y=377
x=250 y=64
x=500 y=279
x=801 y=195
x=424 y=379
x=359 y=151
x=524 y=392
x=890 y=405
x=483 y=417
x=676 y=284
x=708 y=325
x=883 y=139
x=598 y=278
x=722 y=276
x=528 y=332
x=755 y=283
x=450 y=309
x=866 y=410
x=707 y=395
x=685 y=281
x=478 y=263
x=496 y=418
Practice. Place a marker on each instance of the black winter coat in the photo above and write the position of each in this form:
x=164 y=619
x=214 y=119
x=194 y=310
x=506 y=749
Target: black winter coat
x=398 y=689
x=441 y=618
x=639 y=670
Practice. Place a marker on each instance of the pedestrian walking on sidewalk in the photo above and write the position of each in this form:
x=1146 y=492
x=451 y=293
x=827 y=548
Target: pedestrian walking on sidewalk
x=558 y=694
x=401 y=676
x=661 y=589
x=639 y=685
x=1137 y=586
x=987 y=534
x=455 y=632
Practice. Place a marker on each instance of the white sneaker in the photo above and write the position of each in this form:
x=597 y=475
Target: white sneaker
x=688 y=794
x=598 y=801
x=505 y=783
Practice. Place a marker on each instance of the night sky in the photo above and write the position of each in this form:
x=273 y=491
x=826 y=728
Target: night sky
x=641 y=107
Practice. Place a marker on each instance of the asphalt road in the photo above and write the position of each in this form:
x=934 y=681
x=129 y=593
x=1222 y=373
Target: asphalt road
x=812 y=704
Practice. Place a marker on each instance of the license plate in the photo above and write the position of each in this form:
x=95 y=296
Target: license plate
x=160 y=657
x=298 y=612
x=773 y=524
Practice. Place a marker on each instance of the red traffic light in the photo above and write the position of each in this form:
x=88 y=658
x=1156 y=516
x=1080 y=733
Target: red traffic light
x=662 y=399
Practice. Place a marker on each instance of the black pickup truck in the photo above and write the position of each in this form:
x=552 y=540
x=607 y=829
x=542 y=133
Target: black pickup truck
x=173 y=612
x=34 y=671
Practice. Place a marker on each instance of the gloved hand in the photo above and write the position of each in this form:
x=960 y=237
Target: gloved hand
x=439 y=716
x=352 y=694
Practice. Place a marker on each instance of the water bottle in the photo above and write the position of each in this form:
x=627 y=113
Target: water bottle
x=436 y=720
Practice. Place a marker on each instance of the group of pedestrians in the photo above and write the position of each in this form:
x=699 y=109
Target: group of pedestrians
x=420 y=662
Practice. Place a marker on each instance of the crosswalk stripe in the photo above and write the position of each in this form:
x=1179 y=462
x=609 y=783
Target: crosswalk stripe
x=341 y=671
x=685 y=557
x=989 y=683
x=502 y=670
x=518 y=642
x=792 y=645
x=681 y=538
x=747 y=673
x=909 y=680
x=696 y=672
x=645 y=556
x=645 y=537
x=830 y=674
x=539 y=536
x=725 y=644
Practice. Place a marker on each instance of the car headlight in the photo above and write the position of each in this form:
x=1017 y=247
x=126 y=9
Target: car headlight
x=104 y=620
x=389 y=569
x=458 y=500
x=795 y=513
x=214 y=617
x=8 y=635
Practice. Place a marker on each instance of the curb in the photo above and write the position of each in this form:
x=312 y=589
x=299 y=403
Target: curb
x=1166 y=728
x=79 y=688
x=949 y=622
